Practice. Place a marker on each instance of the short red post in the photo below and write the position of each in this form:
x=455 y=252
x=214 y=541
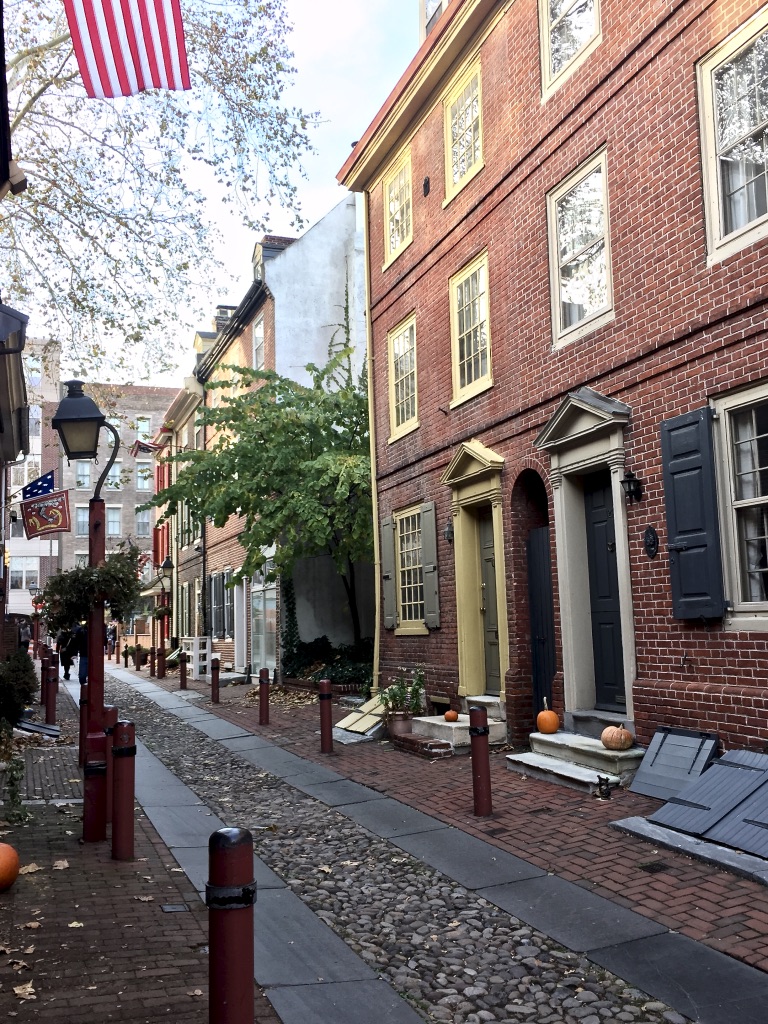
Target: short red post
x=263 y=696
x=326 y=717
x=183 y=670
x=161 y=662
x=110 y=721
x=83 y=723
x=94 y=800
x=50 y=697
x=123 y=789
x=229 y=896
x=151 y=661
x=44 y=666
x=55 y=670
x=481 y=763
x=214 y=680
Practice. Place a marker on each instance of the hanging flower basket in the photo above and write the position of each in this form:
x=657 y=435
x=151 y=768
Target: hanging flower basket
x=163 y=612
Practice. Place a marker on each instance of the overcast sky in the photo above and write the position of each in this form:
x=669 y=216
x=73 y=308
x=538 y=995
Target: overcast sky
x=349 y=55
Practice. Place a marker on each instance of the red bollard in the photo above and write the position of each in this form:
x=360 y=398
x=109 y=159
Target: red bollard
x=229 y=896
x=44 y=666
x=263 y=696
x=94 y=801
x=151 y=661
x=183 y=670
x=110 y=721
x=55 y=670
x=214 y=680
x=50 y=697
x=161 y=663
x=123 y=789
x=83 y=723
x=481 y=764
x=326 y=717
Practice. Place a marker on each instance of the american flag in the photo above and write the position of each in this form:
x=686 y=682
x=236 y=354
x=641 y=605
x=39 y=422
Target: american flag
x=127 y=46
x=43 y=485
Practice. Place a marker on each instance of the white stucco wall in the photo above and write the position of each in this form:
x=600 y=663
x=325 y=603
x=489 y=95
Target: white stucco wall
x=321 y=601
x=308 y=281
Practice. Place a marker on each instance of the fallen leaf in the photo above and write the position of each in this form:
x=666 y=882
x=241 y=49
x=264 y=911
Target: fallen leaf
x=195 y=992
x=76 y=924
x=325 y=869
x=19 y=965
x=25 y=991
x=73 y=780
x=30 y=924
x=28 y=949
x=144 y=899
x=60 y=865
x=29 y=869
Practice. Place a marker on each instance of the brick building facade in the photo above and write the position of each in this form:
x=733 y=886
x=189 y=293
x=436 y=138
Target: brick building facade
x=568 y=275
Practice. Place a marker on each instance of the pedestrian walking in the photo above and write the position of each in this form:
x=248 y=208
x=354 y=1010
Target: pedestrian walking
x=25 y=635
x=78 y=647
x=66 y=658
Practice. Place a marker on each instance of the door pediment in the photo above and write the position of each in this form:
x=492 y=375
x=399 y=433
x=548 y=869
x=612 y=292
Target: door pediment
x=584 y=415
x=471 y=463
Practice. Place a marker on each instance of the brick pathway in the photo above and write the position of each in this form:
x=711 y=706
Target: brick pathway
x=557 y=828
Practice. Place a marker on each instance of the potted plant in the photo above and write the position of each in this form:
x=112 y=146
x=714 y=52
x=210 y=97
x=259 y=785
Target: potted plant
x=401 y=700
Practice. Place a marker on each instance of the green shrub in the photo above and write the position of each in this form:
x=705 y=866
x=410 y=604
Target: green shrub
x=18 y=683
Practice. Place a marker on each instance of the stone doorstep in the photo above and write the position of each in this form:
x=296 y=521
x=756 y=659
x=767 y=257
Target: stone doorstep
x=456 y=733
x=554 y=769
x=587 y=752
x=422 y=746
x=492 y=704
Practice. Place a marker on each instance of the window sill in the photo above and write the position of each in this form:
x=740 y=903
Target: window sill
x=471 y=392
x=403 y=432
x=398 y=252
x=450 y=194
x=746 y=622
x=412 y=629
x=584 y=327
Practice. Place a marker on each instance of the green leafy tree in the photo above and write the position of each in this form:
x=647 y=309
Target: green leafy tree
x=70 y=595
x=293 y=462
x=110 y=238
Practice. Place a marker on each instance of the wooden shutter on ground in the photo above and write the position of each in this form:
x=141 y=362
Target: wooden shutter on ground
x=388 y=591
x=690 y=497
x=429 y=563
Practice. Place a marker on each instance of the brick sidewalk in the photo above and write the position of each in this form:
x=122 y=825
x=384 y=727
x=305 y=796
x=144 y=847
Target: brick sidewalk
x=559 y=829
x=98 y=939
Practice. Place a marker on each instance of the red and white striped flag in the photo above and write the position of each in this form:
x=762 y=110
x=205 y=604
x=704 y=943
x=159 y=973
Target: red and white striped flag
x=126 y=46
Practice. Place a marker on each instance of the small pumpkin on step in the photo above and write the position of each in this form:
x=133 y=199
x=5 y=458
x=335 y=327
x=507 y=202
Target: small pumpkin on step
x=547 y=720
x=616 y=737
x=451 y=715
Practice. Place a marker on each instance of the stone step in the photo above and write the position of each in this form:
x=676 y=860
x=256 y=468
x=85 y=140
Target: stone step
x=554 y=769
x=590 y=722
x=456 y=733
x=422 y=746
x=587 y=752
x=491 y=703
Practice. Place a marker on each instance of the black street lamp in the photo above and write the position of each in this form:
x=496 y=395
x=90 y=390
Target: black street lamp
x=78 y=421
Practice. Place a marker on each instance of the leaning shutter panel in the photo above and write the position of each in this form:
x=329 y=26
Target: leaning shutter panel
x=690 y=497
x=388 y=573
x=429 y=563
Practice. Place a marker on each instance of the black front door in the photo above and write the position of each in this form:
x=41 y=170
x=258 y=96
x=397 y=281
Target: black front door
x=604 y=592
x=542 y=616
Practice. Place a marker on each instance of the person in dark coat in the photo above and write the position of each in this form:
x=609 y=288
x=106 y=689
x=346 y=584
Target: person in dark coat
x=63 y=639
x=78 y=646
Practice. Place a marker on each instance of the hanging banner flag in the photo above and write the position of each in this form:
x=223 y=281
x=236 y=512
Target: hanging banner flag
x=37 y=488
x=49 y=514
x=128 y=46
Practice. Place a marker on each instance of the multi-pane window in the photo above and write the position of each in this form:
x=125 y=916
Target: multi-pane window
x=402 y=378
x=23 y=572
x=734 y=104
x=184 y=611
x=229 y=605
x=470 y=330
x=142 y=523
x=35 y=420
x=570 y=29
x=81 y=560
x=114 y=521
x=117 y=423
x=580 y=252
x=143 y=428
x=81 y=522
x=83 y=474
x=398 y=226
x=144 y=476
x=409 y=568
x=463 y=133
x=113 y=481
x=258 y=344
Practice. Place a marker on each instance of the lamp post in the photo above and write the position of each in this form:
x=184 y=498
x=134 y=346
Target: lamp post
x=166 y=576
x=78 y=422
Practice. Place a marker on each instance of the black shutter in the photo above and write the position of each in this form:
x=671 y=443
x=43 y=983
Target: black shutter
x=690 y=497
x=388 y=573
x=429 y=564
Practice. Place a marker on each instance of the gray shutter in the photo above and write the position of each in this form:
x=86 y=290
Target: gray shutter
x=429 y=562
x=690 y=497
x=388 y=573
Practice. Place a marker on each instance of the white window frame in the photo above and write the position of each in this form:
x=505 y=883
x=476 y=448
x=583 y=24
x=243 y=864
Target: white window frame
x=30 y=564
x=81 y=559
x=113 y=508
x=550 y=82
x=484 y=381
x=144 y=434
x=564 y=336
x=145 y=518
x=258 y=332
x=399 y=179
x=740 y=614
x=145 y=476
x=114 y=480
x=398 y=430
x=719 y=245
x=452 y=188
x=80 y=518
x=82 y=482
x=411 y=626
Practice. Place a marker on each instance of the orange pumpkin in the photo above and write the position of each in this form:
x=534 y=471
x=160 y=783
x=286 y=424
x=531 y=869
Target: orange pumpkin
x=451 y=715
x=547 y=720
x=9 y=866
x=616 y=737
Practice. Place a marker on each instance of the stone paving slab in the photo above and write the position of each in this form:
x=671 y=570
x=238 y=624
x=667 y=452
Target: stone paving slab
x=294 y=947
x=194 y=861
x=189 y=711
x=183 y=826
x=699 y=982
x=468 y=860
x=275 y=760
x=361 y=1002
x=388 y=818
x=335 y=794
x=249 y=742
x=217 y=728
x=579 y=919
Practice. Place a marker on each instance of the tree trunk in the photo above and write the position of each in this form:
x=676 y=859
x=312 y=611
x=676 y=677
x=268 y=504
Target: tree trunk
x=350 y=586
